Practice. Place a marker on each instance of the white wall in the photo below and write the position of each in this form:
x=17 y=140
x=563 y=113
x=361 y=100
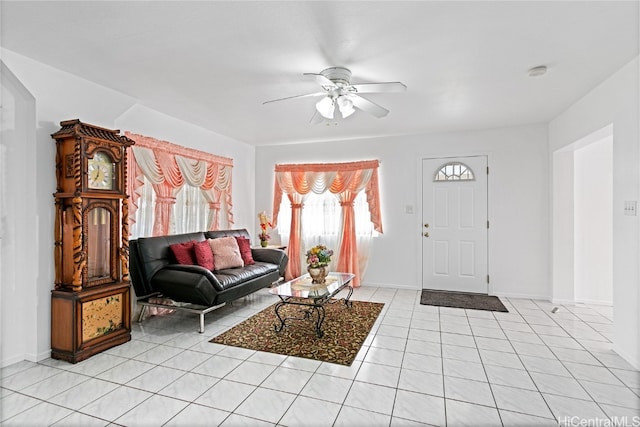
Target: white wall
x=62 y=96
x=17 y=220
x=594 y=222
x=563 y=241
x=615 y=101
x=518 y=200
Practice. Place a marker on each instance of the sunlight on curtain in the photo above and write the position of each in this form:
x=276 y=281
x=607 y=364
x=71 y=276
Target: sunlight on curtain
x=144 y=215
x=190 y=212
x=321 y=222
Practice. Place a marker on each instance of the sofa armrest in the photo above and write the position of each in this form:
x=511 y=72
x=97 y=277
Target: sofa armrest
x=272 y=256
x=193 y=284
x=197 y=270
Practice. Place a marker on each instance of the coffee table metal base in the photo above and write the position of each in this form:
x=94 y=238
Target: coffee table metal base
x=314 y=310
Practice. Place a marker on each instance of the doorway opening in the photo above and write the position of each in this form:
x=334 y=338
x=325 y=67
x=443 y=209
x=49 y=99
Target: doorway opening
x=583 y=220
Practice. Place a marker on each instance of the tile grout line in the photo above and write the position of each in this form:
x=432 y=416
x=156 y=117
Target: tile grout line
x=563 y=365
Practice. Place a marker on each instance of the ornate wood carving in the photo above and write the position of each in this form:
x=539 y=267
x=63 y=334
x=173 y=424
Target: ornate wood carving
x=77 y=174
x=124 y=249
x=91 y=251
x=57 y=255
x=79 y=260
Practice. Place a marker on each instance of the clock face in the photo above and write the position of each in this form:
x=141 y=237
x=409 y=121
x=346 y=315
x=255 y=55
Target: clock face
x=101 y=172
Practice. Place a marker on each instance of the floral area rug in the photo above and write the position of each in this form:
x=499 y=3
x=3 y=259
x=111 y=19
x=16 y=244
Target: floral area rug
x=345 y=329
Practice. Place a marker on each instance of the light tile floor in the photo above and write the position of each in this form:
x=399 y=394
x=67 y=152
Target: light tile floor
x=421 y=365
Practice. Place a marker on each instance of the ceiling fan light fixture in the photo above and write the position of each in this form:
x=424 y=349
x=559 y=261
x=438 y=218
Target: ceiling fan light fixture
x=346 y=106
x=325 y=107
x=338 y=90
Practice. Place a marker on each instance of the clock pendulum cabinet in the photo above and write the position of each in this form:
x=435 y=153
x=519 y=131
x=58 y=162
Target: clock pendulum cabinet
x=91 y=303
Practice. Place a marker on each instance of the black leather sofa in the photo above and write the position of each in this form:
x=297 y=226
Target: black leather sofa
x=154 y=273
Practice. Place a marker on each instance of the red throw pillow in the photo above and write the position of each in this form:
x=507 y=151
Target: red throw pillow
x=184 y=252
x=245 y=250
x=204 y=255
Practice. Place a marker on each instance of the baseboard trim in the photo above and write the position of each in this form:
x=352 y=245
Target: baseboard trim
x=42 y=356
x=391 y=286
x=633 y=361
x=521 y=296
x=12 y=360
x=562 y=301
x=498 y=294
x=594 y=302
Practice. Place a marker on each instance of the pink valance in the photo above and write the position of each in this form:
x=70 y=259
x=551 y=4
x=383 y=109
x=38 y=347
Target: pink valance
x=334 y=177
x=168 y=167
x=343 y=179
x=153 y=143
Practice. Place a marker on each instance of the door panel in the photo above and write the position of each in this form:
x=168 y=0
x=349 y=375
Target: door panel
x=441 y=258
x=454 y=242
x=467 y=259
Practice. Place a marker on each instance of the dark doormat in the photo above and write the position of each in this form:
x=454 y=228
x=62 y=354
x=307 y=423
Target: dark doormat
x=462 y=300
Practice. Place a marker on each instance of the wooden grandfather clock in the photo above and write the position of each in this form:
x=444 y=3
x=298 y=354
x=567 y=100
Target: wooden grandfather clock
x=91 y=303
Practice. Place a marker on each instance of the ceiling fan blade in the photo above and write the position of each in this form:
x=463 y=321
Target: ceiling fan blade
x=368 y=106
x=380 y=87
x=322 y=80
x=308 y=95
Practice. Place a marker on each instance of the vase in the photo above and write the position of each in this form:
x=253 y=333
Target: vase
x=318 y=274
x=264 y=243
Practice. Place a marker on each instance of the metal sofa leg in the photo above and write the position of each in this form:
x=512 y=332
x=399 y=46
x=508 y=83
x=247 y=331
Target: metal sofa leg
x=143 y=311
x=201 y=323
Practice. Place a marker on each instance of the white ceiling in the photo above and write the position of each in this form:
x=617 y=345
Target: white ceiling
x=213 y=63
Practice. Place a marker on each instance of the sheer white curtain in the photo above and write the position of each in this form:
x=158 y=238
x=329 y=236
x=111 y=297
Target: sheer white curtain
x=321 y=222
x=144 y=215
x=190 y=212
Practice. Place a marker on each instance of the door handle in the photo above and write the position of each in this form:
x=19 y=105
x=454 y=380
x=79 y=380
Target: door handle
x=426 y=225
x=426 y=234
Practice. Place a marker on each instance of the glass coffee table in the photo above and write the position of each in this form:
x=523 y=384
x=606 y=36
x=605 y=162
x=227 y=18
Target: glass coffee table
x=313 y=297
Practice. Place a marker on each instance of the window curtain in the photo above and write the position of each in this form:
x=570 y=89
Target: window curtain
x=169 y=168
x=345 y=180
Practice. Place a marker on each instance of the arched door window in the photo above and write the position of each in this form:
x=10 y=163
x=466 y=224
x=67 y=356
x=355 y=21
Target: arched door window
x=454 y=171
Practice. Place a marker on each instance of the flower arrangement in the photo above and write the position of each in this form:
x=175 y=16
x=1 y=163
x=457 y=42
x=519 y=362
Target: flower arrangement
x=319 y=256
x=265 y=224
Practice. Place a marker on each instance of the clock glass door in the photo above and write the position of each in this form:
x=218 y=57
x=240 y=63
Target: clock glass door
x=99 y=245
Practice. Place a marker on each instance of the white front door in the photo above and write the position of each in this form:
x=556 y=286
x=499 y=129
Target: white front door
x=454 y=224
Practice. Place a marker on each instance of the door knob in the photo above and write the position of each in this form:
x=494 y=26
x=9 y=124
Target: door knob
x=426 y=225
x=426 y=234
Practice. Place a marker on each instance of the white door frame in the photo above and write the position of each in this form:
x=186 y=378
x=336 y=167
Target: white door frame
x=420 y=213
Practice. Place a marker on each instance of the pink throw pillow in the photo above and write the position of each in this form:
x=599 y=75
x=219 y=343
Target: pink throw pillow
x=245 y=250
x=204 y=255
x=184 y=252
x=226 y=252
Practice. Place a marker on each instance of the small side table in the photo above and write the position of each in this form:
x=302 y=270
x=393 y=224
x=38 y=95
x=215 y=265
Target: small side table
x=281 y=247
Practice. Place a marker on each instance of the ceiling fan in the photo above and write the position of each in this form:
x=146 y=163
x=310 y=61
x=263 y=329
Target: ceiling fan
x=337 y=90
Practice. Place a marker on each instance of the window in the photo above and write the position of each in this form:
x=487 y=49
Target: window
x=190 y=212
x=454 y=172
x=322 y=218
x=142 y=224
